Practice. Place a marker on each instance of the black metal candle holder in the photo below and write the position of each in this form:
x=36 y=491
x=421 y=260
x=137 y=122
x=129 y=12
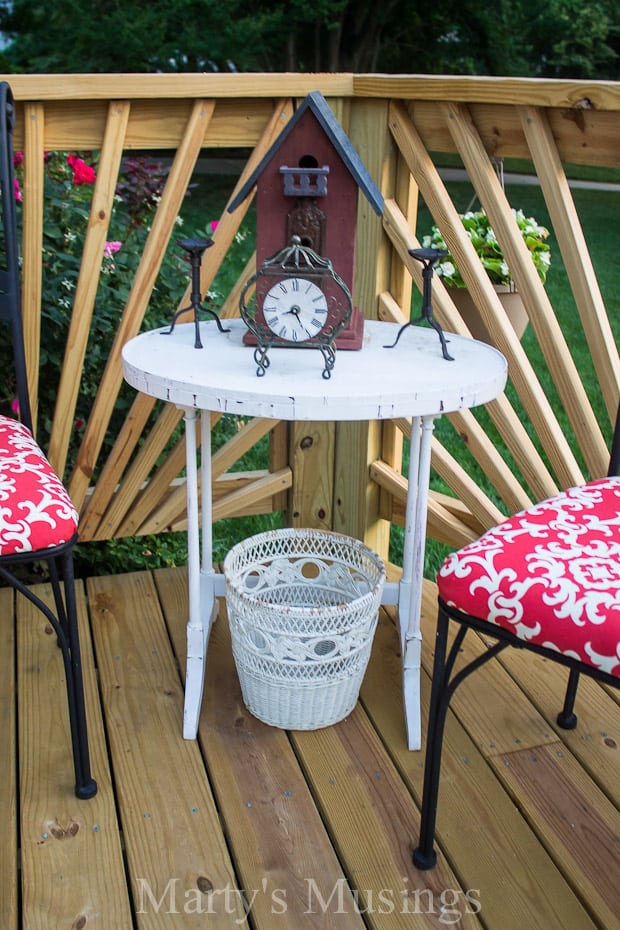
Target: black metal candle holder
x=195 y=249
x=427 y=257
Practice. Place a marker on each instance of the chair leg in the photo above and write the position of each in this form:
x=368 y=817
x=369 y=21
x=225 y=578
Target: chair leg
x=61 y=613
x=424 y=856
x=85 y=785
x=567 y=718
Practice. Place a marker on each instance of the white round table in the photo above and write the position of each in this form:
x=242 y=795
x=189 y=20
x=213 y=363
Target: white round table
x=375 y=383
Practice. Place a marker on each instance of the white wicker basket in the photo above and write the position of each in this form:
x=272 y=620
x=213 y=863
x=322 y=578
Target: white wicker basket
x=303 y=607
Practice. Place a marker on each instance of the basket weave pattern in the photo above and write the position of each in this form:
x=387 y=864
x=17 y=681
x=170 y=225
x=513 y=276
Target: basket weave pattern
x=303 y=608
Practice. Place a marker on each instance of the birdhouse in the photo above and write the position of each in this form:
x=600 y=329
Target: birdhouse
x=307 y=186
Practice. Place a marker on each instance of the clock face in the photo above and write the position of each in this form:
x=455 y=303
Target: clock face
x=295 y=309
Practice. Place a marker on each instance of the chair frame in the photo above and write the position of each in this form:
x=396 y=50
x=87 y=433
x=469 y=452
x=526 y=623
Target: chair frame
x=59 y=559
x=445 y=681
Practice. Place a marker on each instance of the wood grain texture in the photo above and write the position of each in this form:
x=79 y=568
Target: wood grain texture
x=569 y=813
x=318 y=827
x=275 y=830
x=163 y=223
x=478 y=825
x=32 y=244
x=170 y=822
x=573 y=246
x=88 y=279
x=598 y=95
x=63 y=838
x=8 y=776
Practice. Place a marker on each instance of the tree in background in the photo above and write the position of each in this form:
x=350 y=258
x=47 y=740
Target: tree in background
x=560 y=38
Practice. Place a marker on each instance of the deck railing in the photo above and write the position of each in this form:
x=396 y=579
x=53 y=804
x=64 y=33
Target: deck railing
x=530 y=441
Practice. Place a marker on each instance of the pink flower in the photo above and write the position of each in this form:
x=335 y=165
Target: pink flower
x=214 y=224
x=18 y=159
x=82 y=173
x=111 y=247
x=18 y=193
x=15 y=406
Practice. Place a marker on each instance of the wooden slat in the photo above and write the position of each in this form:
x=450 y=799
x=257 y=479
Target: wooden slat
x=259 y=490
x=243 y=440
x=229 y=223
x=512 y=429
x=278 y=458
x=243 y=499
x=443 y=524
x=546 y=325
x=501 y=127
x=171 y=511
x=573 y=246
x=144 y=280
x=599 y=95
x=458 y=509
x=159 y=123
x=465 y=487
x=141 y=466
x=274 y=828
x=230 y=305
x=445 y=215
x=595 y=746
x=9 y=874
x=222 y=488
x=566 y=809
x=32 y=244
x=486 y=454
x=170 y=821
x=116 y=463
x=62 y=838
x=155 y=86
x=479 y=826
x=374 y=823
x=483 y=511
x=154 y=492
x=88 y=281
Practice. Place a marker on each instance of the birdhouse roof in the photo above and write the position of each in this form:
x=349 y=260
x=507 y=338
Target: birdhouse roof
x=316 y=103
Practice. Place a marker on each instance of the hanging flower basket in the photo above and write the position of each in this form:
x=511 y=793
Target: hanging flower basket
x=488 y=249
x=510 y=300
x=489 y=252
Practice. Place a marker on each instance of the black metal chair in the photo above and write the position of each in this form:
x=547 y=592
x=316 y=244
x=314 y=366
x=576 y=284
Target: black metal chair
x=37 y=519
x=547 y=580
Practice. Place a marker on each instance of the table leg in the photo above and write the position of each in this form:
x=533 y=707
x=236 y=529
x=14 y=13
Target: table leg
x=410 y=588
x=202 y=602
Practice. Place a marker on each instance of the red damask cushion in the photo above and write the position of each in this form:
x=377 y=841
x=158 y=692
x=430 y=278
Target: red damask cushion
x=35 y=509
x=550 y=575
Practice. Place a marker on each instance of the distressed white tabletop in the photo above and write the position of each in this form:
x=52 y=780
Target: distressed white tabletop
x=374 y=383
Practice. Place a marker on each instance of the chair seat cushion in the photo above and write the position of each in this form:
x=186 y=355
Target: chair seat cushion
x=35 y=510
x=550 y=575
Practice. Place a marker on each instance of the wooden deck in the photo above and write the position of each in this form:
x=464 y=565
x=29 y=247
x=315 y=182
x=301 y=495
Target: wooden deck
x=252 y=826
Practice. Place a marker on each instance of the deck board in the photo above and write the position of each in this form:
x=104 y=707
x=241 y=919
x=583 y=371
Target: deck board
x=273 y=826
x=480 y=829
x=252 y=826
x=65 y=842
x=8 y=781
